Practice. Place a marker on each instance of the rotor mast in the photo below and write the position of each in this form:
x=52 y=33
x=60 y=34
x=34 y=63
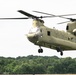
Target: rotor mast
x=37 y=23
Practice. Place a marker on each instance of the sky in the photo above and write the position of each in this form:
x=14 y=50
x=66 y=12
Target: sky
x=13 y=40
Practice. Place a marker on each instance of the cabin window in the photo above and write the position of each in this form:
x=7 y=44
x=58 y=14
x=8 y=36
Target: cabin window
x=48 y=33
x=67 y=28
x=70 y=38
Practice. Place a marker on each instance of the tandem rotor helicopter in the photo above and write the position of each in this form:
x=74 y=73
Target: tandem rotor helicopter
x=43 y=36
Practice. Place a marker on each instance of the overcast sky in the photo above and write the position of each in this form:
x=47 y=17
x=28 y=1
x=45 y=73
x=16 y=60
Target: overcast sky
x=13 y=42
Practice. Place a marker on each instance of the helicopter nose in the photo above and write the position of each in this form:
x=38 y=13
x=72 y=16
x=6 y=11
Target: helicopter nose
x=32 y=37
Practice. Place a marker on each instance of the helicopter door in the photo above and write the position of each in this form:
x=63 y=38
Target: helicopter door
x=45 y=39
x=44 y=33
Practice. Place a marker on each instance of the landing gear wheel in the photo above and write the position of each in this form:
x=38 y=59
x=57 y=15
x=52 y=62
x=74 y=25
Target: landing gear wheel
x=59 y=50
x=61 y=53
x=40 y=50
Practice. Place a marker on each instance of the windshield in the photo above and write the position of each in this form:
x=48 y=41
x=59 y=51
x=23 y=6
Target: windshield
x=33 y=30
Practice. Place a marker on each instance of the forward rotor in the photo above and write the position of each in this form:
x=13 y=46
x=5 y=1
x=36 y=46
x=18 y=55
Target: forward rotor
x=30 y=16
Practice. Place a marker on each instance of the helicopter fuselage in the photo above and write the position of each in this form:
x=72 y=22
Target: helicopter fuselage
x=43 y=36
x=52 y=38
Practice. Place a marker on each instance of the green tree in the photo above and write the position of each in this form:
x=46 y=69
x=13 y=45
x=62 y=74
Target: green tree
x=24 y=68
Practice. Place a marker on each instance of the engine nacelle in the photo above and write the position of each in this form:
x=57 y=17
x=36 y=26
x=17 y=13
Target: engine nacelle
x=71 y=27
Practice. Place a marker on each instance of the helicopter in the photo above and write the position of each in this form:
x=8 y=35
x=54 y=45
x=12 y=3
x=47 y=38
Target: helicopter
x=43 y=36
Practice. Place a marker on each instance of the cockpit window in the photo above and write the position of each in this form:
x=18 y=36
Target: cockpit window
x=33 y=30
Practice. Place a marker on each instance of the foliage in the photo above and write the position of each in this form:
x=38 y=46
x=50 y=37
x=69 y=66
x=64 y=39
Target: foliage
x=37 y=65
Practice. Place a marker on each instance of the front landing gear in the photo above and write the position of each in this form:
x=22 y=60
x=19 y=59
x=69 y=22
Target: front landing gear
x=40 y=50
x=59 y=50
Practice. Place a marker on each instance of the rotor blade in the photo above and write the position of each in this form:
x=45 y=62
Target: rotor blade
x=45 y=13
x=13 y=18
x=52 y=14
x=67 y=15
x=63 y=22
x=30 y=15
x=27 y=14
x=57 y=15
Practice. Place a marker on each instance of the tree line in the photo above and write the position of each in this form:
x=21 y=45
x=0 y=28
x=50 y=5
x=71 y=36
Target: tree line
x=37 y=65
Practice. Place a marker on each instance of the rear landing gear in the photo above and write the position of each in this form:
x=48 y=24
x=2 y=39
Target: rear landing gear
x=59 y=50
x=40 y=50
x=61 y=53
